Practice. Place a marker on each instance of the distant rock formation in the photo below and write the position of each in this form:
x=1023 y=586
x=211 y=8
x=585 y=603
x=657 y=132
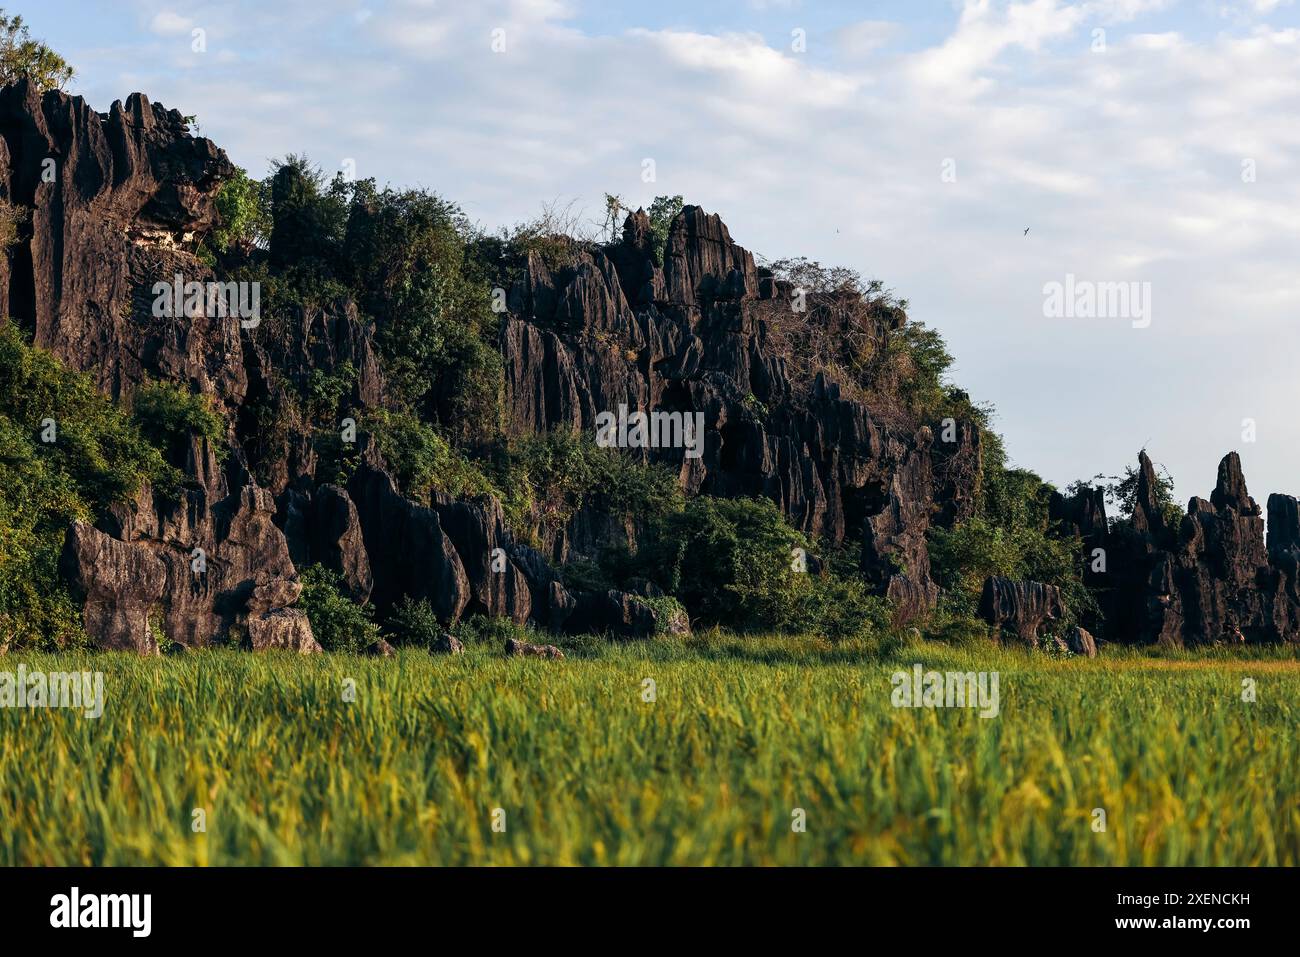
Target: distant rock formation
x=1212 y=579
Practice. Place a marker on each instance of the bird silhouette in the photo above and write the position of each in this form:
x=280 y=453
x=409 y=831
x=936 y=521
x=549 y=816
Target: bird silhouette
x=1026 y=231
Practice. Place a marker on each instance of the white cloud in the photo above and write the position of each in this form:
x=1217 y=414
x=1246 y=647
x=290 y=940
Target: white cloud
x=866 y=36
x=983 y=33
x=169 y=23
x=1126 y=165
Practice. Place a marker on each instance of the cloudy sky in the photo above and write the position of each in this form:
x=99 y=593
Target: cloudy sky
x=1140 y=141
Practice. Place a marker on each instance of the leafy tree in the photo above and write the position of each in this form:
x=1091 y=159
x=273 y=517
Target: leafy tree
x=1011 y=536
x=614 y=210
x=962 y=557
x=323 y=392
x=663 y=210
x=734 y=562
x=812 y=277
x=729 y=560
x=307 y=217
x=1121 y=493
x=841 y=607
x=410 y=260
x=244 y=206
x=408 y=257
x=920 y=361
x=21 y=56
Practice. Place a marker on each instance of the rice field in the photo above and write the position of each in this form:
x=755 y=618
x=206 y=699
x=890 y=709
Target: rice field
x=752 y=752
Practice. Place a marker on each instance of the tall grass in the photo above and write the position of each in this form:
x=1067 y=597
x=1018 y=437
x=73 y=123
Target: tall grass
x=742 y=733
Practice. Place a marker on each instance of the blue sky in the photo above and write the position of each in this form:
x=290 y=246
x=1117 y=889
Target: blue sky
x=1126 y=161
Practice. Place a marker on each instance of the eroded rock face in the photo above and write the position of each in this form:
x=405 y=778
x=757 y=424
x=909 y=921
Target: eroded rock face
x=113 y=212
x=225 y=560
x=128 y=189
x=1020 y=607
x=697 y=336
x=132 y=189
x=120 y=584
x=284 y=629
x=497 y=585
x=338 y=542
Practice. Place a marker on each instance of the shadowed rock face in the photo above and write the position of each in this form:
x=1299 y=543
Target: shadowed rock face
x=113 y=212
x=1020 y=607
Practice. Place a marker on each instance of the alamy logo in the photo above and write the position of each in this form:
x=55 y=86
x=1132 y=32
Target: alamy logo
x=1084 y=299
x=946 y=689
x=83 y=690
x=133 y=911
x=178 y=299
x=653 y=430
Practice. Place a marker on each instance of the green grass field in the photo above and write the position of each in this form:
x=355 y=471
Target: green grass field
x=587 y=772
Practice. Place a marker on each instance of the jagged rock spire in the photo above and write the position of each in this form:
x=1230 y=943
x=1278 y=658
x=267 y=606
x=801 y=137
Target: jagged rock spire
x=1230 y=490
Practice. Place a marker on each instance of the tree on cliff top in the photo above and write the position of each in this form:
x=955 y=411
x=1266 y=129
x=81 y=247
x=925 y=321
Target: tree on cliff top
x=21 y=56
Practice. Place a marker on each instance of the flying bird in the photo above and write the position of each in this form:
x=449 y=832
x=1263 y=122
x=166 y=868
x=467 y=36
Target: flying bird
x=1026 y=231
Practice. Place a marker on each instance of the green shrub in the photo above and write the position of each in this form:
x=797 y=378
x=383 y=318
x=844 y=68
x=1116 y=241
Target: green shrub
x=841 y=608
x=961 y=559
x=953 y=623
x=728 y=561
x=307 y=217
x=412 y=622
x=37 y=502
x=547 y=478
x=12 y=217
x=168 y=414
x=422 y=461
x=667 y=610
x=494 y=631
x=919 y=362
x=322 y=392
x=410 y=259
x=338 y=623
